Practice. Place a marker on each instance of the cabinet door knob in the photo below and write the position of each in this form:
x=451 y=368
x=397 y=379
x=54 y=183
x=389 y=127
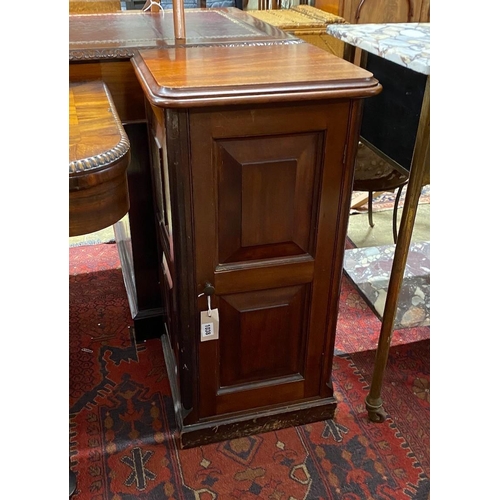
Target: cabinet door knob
x=209 y=289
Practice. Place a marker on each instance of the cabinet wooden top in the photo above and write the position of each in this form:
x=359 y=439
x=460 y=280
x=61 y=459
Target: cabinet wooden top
x=204 y=76
x=119 y=35
x=96 y=136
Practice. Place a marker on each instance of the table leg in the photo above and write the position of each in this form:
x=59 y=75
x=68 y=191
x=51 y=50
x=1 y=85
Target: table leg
x=418 y=173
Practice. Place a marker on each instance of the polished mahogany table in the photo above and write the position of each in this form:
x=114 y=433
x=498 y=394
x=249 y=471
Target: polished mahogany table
x=249 y=137
x=99 y=153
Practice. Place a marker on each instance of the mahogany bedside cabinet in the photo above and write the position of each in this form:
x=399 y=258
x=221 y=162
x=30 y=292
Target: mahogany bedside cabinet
x=253 y=156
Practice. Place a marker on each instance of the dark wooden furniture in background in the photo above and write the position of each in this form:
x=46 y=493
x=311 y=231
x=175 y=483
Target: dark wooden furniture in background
x=100 y=48
x=253 y=150
x=378 y=11
x=98 y=159
x=385 y=11
x=390 y=120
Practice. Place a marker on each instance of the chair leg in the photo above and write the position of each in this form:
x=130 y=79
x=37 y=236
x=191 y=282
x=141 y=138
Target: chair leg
x=395 y=216
x=370 y=206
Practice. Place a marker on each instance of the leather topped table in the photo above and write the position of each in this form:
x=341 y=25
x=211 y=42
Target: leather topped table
x=118 y=35
x=98 y=159
x=100 y=48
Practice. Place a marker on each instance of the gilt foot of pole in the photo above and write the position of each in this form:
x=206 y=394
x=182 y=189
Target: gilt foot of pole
x=376 y=412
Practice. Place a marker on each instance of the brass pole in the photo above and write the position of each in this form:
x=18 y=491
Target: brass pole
x=418 y=173
x=179 y=20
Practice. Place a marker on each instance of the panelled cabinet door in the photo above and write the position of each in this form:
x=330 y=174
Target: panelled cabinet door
x=269 y=236
x=382 y=11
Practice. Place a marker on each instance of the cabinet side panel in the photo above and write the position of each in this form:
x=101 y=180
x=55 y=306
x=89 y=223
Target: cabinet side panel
x=265 y=196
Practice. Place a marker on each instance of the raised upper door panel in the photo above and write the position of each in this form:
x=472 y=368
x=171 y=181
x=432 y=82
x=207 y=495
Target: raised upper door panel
x=267 y=196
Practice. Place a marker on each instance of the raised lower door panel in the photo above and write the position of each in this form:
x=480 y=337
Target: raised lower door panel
x=272 y=318
x=267 y=187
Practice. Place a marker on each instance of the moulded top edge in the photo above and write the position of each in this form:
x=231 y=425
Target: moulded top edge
x=218 y=74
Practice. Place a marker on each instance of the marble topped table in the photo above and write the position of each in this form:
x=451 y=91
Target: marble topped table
x=408 y=45
x=369 y=270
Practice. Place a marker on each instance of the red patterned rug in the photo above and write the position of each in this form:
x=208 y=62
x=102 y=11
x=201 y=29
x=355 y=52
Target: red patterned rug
x=358 y=328
x=121 y=416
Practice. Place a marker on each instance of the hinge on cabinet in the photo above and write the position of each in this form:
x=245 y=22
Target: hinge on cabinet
x=329 y=382
x=345 y=154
